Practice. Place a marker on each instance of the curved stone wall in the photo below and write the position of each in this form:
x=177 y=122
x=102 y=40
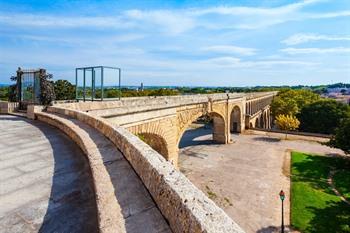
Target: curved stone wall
x=108 y=210
x=185 y=207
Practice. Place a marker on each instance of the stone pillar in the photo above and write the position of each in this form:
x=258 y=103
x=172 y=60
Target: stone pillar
x=221 y=132
x=247 y=121
x=32 y=109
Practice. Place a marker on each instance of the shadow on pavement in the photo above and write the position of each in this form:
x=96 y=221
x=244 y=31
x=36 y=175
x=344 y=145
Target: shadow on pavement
x=267 y=139
x=198 y=136
x=274 y=229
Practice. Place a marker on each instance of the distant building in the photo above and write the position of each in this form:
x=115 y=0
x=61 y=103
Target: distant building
x=339 y=90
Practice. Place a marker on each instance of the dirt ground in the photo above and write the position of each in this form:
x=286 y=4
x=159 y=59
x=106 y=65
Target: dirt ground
x=245 y=177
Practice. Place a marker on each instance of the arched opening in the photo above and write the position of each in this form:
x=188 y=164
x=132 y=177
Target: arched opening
x=236 y=119
x=261 y=121
x=257 y=123
x=155 y=141
x=203 y=129
x=251 y=125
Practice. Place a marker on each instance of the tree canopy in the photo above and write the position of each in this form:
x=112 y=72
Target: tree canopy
x=323 y=116
x=290 y=102
x=287 y=122
x=47 y=92
x=64 y=90
x=341 y=139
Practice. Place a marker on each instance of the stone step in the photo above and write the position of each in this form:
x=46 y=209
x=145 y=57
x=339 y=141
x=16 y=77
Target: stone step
x=123 y=202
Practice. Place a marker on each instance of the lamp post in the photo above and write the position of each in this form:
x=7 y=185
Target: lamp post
x=282 y=197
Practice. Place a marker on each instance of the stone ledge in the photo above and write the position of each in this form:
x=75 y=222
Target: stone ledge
x=185 y=207
x=7 y=107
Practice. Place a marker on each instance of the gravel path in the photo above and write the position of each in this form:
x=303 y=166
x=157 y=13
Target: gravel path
x=245 y=177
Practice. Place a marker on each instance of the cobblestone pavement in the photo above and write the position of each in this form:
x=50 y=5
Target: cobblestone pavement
x=45 y=182
x=245 y=177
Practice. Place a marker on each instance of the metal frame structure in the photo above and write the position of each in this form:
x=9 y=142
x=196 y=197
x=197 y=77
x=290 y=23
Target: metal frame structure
x=93 y=70
x=28 y=86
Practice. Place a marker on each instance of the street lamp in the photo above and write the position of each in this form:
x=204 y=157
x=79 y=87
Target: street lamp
x=282 y=197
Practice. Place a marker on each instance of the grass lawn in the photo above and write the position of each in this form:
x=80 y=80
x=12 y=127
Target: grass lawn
x=314 y=205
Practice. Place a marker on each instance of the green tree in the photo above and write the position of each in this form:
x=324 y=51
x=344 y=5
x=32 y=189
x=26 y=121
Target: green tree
x=4 y=93
x=290 y=102
x=323 y=116
x=111 y=93
x=64 y=90
x=341 y=139
x=47 y=92
x=287 y=122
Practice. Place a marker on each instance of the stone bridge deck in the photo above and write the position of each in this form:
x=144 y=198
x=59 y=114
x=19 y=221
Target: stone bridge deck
x=46 y=185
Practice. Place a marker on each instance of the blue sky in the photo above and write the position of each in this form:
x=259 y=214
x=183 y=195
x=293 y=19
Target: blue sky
x=196 y=43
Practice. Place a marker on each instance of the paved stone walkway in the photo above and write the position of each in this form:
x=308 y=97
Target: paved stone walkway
x=45 y=182
x=244 y=178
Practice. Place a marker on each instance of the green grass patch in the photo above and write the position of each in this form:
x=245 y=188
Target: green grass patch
x=315 y=207
x=342 y=182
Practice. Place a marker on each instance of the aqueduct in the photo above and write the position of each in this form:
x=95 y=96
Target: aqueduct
x=105 y=132
x=161 y=121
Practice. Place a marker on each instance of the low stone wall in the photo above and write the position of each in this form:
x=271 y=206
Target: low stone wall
x=32 y=109
x=8 y=107
x=185 y=207
x=291 y=135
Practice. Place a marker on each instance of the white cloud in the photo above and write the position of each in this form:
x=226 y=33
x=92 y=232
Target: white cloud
x=315 y=50
x=97 y=40
x=304 y=38
x=232 y=62
x=170 y=21
x=256 y=18
x=229 y=49
x=327 y=15
x=37 y=20
x=177 y=21
x=224 y=61
x=224 y=10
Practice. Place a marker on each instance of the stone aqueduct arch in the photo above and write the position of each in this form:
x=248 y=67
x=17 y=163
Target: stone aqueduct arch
x=162 y=121
x=170 y=130
x=227 y=118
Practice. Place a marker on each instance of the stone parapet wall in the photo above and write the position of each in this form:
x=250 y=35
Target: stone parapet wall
x=155 y=101
x=168 y=101
x=292 y=135
x=254 y=95
x=8 y=107
x=186 y=208
x=141 y=104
